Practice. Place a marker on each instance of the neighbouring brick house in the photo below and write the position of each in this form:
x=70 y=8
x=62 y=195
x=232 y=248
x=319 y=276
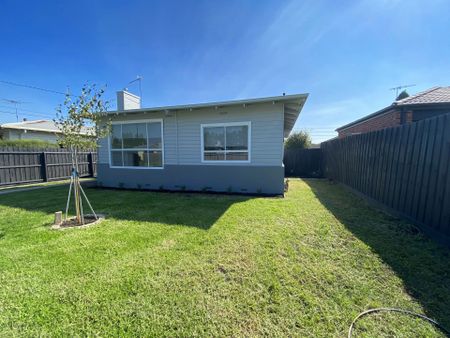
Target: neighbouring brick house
x=429 y=103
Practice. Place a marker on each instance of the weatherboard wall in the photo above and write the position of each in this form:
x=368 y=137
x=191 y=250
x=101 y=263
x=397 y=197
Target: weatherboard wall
x=183 y=166
x=182 y=134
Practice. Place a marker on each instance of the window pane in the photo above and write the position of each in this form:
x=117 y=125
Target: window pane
x=155 y=158
x=116 y=158
x=154 y=135
x=213 y=156
x=237 y=138
x=214 y=138
x=116 y=136
x=237 y=156
x=134 y=135
x=135 y=158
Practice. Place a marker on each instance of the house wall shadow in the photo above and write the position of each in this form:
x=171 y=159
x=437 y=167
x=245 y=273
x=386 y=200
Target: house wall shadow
x=422 y=264
x=187 y=209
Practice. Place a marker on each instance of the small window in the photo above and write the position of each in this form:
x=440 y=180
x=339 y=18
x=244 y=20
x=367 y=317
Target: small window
x=226 y=142
x=137 y=145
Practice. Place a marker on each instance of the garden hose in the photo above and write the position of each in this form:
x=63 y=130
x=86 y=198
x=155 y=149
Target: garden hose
x=386 y=309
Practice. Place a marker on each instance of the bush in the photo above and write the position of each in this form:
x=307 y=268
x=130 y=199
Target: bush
x=28 y=144
x=298 y=140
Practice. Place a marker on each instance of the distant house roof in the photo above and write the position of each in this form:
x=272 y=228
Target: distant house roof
x=429 y=96
x=293 y=105
x=432 y=96
x=47 y=126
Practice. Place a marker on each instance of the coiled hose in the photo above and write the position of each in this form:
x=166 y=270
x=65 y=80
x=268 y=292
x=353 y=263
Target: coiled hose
x=387 y=309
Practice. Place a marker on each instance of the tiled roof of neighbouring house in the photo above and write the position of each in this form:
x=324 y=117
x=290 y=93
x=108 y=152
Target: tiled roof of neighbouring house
x=432 y=95
x=435 y=95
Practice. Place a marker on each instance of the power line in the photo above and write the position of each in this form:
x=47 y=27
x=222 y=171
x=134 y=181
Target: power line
x=25 y=114
x=30 y=112
x=7 y=112
x=43 y=89
x=16 y=106
x=33 y=87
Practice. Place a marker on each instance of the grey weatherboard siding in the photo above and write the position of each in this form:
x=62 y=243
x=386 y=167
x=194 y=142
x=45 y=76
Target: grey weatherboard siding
x=183 y=168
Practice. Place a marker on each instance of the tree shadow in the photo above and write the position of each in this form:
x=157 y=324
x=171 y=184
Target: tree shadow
x=187 y=209
x=422 y=264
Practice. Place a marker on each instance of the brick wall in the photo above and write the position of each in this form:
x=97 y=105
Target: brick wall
x=389 y=119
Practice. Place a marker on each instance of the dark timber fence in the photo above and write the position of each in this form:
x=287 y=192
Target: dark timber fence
x=303 y=162
x=406 y=168
x=30 y=165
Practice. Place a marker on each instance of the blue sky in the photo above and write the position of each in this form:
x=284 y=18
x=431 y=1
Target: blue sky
x=346 y=54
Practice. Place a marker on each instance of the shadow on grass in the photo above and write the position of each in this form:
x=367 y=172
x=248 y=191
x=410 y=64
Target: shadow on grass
x=422 y=264
x=188 y=209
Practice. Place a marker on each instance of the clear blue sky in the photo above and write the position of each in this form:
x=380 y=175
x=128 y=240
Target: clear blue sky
x=346 y=54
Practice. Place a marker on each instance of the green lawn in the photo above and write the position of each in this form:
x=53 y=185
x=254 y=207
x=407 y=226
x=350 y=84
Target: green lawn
x=208 y=265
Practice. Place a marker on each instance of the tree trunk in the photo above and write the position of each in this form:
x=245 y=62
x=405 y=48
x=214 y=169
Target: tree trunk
x=76 y=187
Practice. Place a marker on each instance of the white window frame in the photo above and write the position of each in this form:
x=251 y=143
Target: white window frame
x=134 y=149
x=227 y=124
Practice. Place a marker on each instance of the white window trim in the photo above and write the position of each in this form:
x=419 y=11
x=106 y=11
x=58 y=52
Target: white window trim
x=227 y=124
x=137 y=149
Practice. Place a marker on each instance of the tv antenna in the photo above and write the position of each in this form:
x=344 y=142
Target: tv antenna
x=138 y=79
x=400 y=87
x=16 y=104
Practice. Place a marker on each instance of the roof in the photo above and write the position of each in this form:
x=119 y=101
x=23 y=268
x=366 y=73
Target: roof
x=47 y=126
x=293 y=105
x=431 y=96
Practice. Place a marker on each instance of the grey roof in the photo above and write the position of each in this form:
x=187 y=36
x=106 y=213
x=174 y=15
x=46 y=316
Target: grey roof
x=293 y=105
x=434 y=95
x=47 y=126
x=429 y=96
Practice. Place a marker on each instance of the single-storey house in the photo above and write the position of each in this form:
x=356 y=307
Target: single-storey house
x=44 y=130
x=429 y=103
x=231 y=146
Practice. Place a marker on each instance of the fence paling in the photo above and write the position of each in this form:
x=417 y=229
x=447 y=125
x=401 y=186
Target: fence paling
x=303 y=162
x=20 y=166
x=407 y=168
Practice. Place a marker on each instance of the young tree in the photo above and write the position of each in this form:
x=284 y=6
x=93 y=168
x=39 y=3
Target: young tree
x=298 y=140
x=82 y=122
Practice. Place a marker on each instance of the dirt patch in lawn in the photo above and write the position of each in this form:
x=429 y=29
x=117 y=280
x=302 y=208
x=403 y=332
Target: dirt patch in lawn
x=89 y=220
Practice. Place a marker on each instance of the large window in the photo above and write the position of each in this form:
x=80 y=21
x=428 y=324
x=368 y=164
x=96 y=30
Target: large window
x=226 y=142
x=137 y=144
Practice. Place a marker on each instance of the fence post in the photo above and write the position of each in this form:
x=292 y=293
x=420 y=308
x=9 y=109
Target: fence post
x=91 y=164
x=44 y=167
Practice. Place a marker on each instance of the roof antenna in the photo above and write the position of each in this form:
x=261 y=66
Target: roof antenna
x=139 y=79
x=400 y=87
x=16 y=104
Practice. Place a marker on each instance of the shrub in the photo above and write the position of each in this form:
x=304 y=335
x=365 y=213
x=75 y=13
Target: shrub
x=28 y=144
x=298 y=140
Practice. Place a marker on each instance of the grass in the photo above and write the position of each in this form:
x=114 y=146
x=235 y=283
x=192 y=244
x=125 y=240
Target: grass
x=166 y=264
